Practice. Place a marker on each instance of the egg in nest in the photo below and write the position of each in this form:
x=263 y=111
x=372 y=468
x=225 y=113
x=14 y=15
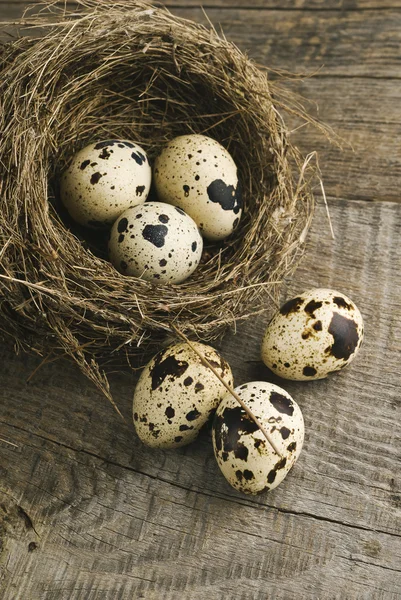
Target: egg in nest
x=104 y=179
x=157 y=242
x=197 y=173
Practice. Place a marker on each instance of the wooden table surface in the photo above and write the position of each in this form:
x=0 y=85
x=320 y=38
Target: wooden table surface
x=87 y=512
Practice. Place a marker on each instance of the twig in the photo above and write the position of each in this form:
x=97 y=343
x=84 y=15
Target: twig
x=229 y=388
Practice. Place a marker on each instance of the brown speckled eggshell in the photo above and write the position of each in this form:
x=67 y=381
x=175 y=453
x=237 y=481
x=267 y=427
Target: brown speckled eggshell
x=312 y=335
x=198 y=174
x=104 y=179
x=176 y=395
x=244 y=456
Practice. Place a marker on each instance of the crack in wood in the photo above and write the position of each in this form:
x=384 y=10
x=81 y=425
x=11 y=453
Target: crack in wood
x=246 y=502
x=371 y=564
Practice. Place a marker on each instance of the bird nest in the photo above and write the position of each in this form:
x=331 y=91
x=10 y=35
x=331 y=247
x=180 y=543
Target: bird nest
x=134 y=71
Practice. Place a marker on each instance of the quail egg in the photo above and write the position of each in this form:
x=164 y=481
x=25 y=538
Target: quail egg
x=312 y=335
x=244 y=455
x=176 y=395
x=104 y=179
x=157 y=242
x=197 y=173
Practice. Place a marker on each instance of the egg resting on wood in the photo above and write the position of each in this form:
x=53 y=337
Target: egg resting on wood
x=198 y=174
x=244 y=455
x=176 y=395
x=104 y=179
x=312 y=335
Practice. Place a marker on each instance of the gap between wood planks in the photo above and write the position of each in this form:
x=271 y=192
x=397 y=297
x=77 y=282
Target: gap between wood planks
x=245 y=502
x=319 y=75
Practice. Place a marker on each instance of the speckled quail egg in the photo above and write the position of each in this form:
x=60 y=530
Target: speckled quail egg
x=197 y=173
x=176 y=395
x=104 y=179
x=312 y=335
x=157 y=242
x=244 y=455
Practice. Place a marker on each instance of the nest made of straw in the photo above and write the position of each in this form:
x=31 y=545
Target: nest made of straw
x=134 y=71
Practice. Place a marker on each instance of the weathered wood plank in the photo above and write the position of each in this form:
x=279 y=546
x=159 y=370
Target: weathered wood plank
x=318 y=5
x=353 y=43
x=366 y=114
x=350 y=43
x=106 y=532
x=118 y=520
x=102 y=517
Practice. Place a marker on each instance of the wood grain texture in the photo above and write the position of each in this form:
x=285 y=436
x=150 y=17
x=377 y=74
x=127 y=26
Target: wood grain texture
x=366 y=114
x=349 y=44
x=283 y=5
x=340 y=43
x=109 y=518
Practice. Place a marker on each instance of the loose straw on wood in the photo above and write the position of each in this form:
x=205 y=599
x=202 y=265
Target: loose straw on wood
x=9 y=443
